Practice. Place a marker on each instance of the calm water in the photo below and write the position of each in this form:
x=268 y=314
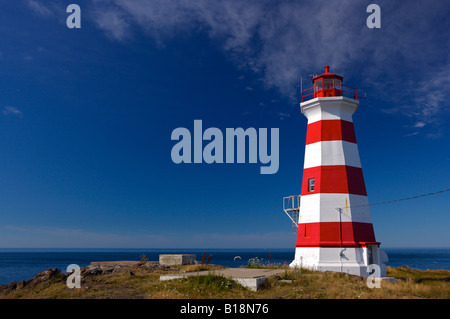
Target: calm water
x=22 y=264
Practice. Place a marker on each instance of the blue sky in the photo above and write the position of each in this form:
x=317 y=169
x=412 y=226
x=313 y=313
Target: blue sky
x=86 y=117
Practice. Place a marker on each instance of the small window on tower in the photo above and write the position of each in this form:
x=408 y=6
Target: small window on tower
x=311 y=185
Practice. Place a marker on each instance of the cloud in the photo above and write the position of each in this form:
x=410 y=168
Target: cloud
x=39 y=8
x=283 y=115
x=114 y=23
x=10 y=110
x=281 y=41
x=49 y=236
x=419 y=125
x=62 y=237
x=426 y=100
x=432 y=94
x=411 y=134
x=434 y=135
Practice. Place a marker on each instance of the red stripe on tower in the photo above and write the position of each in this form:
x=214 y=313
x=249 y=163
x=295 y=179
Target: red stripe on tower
x=335 y=234
x=340 y=179
x=330 y=130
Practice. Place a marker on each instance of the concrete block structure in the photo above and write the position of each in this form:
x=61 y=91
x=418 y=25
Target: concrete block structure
x=176 y=259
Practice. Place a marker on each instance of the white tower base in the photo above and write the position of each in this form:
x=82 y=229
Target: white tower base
x=353 y=261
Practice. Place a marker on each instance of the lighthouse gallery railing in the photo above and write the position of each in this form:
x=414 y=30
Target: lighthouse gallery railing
x=341 y=90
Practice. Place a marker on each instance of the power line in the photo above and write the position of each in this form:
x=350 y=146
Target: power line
x=402 y=199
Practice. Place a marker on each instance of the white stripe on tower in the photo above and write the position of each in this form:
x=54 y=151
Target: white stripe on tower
x=331 y=153
x=322 y=208
x=331 y=109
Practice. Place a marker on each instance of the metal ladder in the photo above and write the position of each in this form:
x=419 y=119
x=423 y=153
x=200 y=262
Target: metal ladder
x=291 y=206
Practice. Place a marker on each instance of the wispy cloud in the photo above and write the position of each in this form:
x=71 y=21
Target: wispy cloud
x=426 y=99
x=432 y=94
x=283 y=115
x=39 y=8
x=411 y=134
x=435 y=134
x=50 y=236
x=278 y=40
x=11 y=110
x=419 y=124
x=114 y=23
x=63 y=237
x=283 y=40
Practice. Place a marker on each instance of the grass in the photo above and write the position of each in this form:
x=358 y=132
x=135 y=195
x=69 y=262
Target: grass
x=200 y=287
x=199 y=267
x=145 y=283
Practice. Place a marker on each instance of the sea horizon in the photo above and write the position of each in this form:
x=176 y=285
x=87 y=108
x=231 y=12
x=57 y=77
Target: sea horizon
x=17 y=264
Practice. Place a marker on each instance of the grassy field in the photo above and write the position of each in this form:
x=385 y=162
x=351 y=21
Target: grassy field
x=141 y=282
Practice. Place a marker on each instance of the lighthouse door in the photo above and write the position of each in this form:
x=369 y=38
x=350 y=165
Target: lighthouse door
x=370 y=254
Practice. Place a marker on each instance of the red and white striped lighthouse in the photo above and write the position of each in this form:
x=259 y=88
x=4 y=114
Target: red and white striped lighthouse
x=335 y=230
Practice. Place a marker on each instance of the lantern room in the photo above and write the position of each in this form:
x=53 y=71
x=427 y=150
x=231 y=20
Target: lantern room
x=328 y=84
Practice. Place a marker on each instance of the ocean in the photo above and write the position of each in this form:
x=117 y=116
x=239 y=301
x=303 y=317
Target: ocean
x=23 y=264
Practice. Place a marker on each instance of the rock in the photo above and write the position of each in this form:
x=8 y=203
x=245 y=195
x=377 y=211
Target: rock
x=151 y=265
x=40 y=277
x=94 y=270
x=118 y=269
x=9 y=288
x=44 y=276
x=107 y=270
x=404 y=267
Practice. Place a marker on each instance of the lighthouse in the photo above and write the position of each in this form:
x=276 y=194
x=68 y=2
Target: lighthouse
x=334 y=226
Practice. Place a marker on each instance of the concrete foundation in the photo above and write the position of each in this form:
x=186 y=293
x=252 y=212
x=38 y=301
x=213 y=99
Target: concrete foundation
x=354 y=261
x=248 y=278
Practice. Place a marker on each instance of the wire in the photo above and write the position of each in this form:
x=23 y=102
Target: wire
x=402 y=199
x=396 y=200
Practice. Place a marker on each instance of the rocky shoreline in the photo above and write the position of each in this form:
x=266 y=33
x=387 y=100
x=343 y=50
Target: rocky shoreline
x=94 y=269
